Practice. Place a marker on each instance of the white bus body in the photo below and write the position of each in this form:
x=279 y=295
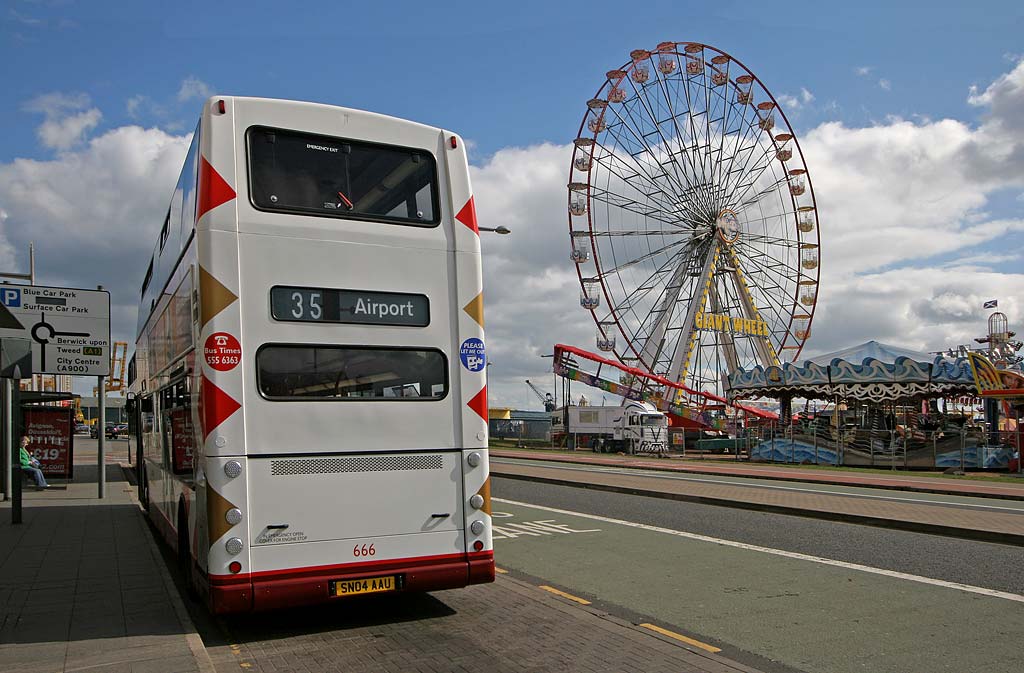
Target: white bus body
x=309 y=384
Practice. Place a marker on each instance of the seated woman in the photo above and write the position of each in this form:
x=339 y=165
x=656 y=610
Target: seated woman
x=30 y=465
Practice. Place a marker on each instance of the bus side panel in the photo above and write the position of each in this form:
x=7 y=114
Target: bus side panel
x=218 y=378
x=220 y=493
x=472 y=367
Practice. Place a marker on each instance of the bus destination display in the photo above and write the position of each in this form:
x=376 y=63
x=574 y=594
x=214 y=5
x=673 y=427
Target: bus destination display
x=305 y=304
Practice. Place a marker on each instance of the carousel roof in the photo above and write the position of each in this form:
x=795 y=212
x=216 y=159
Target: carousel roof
x=869 y=371
x=875 y=350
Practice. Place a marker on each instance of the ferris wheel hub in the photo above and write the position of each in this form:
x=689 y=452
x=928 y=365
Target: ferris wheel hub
x=727 y=225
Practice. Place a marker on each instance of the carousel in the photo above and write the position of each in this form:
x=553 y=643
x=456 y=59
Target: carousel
x=873 y=405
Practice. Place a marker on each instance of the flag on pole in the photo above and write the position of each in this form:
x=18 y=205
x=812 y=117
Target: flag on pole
x=992 y=303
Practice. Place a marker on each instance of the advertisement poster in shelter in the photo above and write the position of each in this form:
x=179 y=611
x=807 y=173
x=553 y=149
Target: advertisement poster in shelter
x=51 y=437
x=182 y=438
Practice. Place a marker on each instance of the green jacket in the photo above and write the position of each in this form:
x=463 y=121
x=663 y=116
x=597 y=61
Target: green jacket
x=26 y=459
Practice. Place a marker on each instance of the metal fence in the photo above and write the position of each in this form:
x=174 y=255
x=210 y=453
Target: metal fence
x=528 y=430
x=959 y=448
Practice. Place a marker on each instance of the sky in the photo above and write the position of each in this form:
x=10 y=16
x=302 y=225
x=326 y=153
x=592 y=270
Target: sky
x=911 y=120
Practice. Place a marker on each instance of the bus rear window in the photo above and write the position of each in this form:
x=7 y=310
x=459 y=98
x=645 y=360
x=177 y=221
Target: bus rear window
x=351 y=373
x=321 y=175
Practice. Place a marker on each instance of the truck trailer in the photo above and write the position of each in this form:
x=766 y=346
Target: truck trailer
x=635 y=427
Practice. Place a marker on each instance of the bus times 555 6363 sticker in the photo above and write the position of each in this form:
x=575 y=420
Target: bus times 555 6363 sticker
x=222 y=351
x=472 y=354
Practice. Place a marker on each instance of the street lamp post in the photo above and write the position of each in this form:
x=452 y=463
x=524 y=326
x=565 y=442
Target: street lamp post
x=497 y=230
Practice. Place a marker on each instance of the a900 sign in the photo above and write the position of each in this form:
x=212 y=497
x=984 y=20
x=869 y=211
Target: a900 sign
x=360 y=307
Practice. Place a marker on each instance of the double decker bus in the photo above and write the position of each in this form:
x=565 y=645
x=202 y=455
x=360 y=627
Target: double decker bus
x=309 y=377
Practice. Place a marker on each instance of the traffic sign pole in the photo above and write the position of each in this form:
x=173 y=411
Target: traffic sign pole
x=8 y=420
x=16 y=424
x=101 y=435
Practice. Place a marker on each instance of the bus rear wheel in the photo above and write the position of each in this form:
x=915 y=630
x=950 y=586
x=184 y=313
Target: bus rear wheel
x=185 y=551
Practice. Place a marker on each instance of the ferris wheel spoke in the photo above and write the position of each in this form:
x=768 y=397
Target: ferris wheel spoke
x=645 y=103
x=740 y=147
x=754 y=178
x=645 y=148
x=680 y=134
x=694 y=135
x=629 y=301
x=641 y=232
x=630 y=205
x=642 y=258
x=667 y=202
x=727 y=107
x=640 y=170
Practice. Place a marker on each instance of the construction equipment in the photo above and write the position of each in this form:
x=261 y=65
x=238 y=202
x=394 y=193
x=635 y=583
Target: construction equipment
x=545 y=398
x=115 y=383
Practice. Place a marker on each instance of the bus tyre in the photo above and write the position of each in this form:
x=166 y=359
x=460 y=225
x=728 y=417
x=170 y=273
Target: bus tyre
x=144 y=488
x=185 y=552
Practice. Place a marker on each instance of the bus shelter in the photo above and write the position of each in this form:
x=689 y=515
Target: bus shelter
x=882 y=406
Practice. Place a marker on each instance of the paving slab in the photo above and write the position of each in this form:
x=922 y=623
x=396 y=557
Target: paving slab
x=82 y=586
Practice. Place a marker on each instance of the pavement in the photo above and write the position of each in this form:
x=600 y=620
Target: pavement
x=83 y=586
x=978 y=488
x=959 y=518
x=505 y=627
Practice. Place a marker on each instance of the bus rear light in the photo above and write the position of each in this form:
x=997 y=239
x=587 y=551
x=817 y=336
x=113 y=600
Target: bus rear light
x=454 y=142
x=478 y=546
x=473 y=459
x=477 y=501
x=233 y=516
x=233 y=546
x=236 y=567
x=221 y=107
x=232 y=468
x=476 y=527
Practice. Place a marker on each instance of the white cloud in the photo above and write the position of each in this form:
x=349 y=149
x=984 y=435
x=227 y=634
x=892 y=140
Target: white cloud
x=92 y=212
x=885 y=84
x=66 y=122
x=891 y=197
x=132 y=105
x=804 y=98
x=62 y=134
x=193 y=87
x=863 y=70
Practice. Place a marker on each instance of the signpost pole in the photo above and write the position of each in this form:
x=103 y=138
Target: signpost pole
x=15 y=424
x=8 y=420
x=101 y=435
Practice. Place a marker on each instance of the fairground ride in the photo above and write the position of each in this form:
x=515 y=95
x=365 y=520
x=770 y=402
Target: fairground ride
x=692 y=219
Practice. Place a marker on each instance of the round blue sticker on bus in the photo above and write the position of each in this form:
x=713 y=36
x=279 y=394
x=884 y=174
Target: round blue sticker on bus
x=472 y=354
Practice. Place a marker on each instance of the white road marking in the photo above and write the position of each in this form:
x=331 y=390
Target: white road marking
x=702 y=480
x=780 y=552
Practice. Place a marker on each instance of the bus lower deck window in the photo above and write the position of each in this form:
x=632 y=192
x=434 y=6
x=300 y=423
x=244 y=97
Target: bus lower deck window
x=359 y=373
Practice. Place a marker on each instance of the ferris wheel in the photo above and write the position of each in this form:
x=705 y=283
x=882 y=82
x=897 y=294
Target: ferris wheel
x=692 y=219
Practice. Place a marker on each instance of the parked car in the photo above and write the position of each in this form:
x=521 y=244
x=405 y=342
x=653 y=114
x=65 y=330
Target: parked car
x=94 y=430
x=115 y=430
x=81 y=429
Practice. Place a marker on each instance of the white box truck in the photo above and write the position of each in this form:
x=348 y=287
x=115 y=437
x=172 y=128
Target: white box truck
x=635 y=427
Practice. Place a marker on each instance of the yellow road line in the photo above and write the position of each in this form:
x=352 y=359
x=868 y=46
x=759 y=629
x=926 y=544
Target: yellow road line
x=501 y=571
x=555 y=591
x=682 y=638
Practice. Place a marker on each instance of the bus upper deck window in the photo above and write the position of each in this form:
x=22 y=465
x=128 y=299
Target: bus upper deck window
x=311 y=174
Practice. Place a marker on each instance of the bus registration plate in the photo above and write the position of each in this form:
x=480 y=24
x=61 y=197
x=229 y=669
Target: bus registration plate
x=369 y=585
